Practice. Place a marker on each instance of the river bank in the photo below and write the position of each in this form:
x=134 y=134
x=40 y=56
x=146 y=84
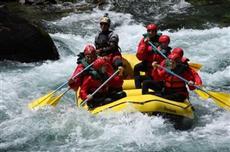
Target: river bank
x=171 y=15
x=69 y=128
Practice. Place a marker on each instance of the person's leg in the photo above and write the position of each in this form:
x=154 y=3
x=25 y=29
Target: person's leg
x=97 y=100
x=151 y=84
x=142 y=66
x=176 y=95
x=117 y=93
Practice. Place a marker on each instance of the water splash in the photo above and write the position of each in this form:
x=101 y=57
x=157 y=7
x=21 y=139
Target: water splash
x=67 y=128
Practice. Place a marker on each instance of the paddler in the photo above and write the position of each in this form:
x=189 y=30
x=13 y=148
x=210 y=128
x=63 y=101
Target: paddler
x=92 y=78
x=146 y=53
x=106 y=42
x=171 y=87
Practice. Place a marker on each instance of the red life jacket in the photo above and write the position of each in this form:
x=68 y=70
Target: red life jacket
x=113 y=58
x=89 y=85
x=175 y=85
x=144 y=51
x=117 y=81
x=174 y=82
x=79 y=78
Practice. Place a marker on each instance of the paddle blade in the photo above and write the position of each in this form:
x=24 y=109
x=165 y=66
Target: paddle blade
x=202 y=94
x=42 y=101
x=221 y=99
x=195 y=66
x=54 y=100
x=224 y=95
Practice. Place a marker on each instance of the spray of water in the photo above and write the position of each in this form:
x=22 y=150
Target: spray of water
x=67 y=128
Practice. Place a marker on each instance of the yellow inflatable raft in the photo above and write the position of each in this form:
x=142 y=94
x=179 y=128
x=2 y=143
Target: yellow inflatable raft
x=181 y=113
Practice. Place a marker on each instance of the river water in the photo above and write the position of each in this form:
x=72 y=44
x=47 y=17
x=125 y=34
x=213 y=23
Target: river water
x=67 y=128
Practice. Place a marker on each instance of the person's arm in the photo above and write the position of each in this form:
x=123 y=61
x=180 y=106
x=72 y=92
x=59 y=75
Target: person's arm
x=117 y=60
x=98 y=63
x=142 y=47
x=196 y=77
x=116 y=82
x=162 y=72
x=85 y=88
x=112 y=44
x=95 y=42
x=75 y=82
x=193 y=78
x=113 y=41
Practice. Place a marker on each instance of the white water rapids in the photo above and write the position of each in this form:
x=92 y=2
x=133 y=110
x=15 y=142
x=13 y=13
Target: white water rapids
x=67 y=128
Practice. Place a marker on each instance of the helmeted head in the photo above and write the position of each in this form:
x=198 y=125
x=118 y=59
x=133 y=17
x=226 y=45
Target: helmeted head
x=90 y=53
x=178 y=51
x=164 y=39
x=174 y=57
x=152 y=30
x=89 y=49
x=152 y=27
x=105 y=19
x=105 y=22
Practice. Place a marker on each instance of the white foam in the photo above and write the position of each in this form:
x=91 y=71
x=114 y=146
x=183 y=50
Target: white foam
x=77 y=130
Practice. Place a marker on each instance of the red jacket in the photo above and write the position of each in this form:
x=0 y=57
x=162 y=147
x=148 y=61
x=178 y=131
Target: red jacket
x=79 y=78
x=90 y=84
x=114 y=59
x=145 y=53
x=117 y=81
x=172 y=81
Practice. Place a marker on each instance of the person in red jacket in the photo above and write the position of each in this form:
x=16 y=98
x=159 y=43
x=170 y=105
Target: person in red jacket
x=88 y=56
x=172 y=87
x=165 y=49
x=147 y=54
x=110 y=92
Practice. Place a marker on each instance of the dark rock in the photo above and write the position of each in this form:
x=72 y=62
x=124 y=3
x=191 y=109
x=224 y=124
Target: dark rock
x=206 y=2
x=67 y=4
x=8 y=0
x=22 y=41
x=37 y=2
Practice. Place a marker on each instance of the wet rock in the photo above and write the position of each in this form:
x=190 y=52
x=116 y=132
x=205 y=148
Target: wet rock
x=46 y=2
x=38 y=2
x=206 y=2
x=8 y=0
x=22 y=41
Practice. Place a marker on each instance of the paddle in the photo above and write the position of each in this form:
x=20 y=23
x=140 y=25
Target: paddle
x=222 y=99
x=102 y=85
x=54 y=100
x=195 y=66
x=50 y=98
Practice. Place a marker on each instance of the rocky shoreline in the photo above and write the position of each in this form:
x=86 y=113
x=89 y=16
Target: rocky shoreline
x=30 y=14
x=23 y=36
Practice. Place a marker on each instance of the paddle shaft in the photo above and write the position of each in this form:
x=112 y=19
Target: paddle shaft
x=162 y=54
x=183 y=79
x=65 y=91
x=197 y=87
x=104 y=83
x=73 y=77
x=154 y=47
